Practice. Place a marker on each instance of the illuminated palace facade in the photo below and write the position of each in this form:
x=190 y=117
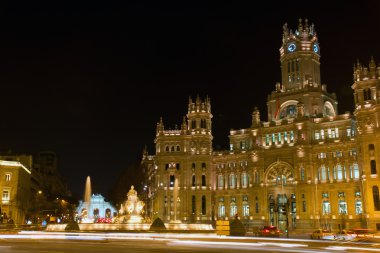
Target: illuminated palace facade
x=306 y=167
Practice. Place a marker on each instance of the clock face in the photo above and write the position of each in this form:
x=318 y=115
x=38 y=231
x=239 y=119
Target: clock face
x=315 y=48
x=291 y=47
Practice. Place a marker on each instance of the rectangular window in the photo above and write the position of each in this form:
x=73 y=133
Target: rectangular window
x=322 y=134
x=303 y=206
x=245 y=209
x=7 y=177
x=203 y=205
x=329 y=134
x=193 y=205
x=326 y=208
x=342 y=207
x=285 y=136
x=317 y=135
x=203 y=180
x=302 y=174
x=257 y=208
x=348 y=132
x=5 y=197
x=336 y=132
x=231 y=147
x=358 y=207
x=279 y=138
x=172 y=178
x=373 y=167
x=291 y=136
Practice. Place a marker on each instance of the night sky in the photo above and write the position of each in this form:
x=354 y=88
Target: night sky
x=90 y=80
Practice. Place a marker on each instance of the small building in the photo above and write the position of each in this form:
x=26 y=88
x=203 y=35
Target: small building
x=15 y=191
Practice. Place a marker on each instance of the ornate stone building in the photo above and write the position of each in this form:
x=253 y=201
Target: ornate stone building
x=306 y=167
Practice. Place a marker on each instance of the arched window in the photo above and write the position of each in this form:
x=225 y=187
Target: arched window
x=376 y=200
x=108 y=213
x=178 y=148
x=172 y=149
x=221 y=208
x=167 y=148
x=244 y=180
x=193 y=180
x=245 y=206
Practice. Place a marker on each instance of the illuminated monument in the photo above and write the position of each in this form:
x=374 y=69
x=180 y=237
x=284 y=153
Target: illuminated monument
x=306 y=167
x=93 y=207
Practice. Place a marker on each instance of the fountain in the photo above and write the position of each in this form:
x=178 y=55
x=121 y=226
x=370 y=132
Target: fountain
x=101 y=210
x=176 y=200
x=96 y=214
x=131 y=211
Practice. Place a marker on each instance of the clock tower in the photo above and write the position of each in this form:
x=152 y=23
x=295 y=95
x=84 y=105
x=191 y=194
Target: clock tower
x=299 y=57
x=301 y=78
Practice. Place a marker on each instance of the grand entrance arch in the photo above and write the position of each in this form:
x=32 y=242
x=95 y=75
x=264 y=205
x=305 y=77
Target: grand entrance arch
x=281 y=197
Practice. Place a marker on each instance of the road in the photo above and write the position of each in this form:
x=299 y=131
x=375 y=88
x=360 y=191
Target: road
x=120 y=243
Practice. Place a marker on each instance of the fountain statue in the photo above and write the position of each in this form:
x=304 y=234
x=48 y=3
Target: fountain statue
x=131 y=211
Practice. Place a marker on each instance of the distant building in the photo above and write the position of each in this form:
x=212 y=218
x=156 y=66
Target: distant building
x=52 y=183
x=15 y=191
x=306 y=167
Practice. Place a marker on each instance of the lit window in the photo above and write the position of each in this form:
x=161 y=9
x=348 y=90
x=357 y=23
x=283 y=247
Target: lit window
x=317 y=135
x=348 y=132
x=354 y=171
x=7 y=177
x=233 y=210
x=342 y=206
x=358 y=207
x=245 y=209
x=339 y=172
x=221 y=208
x=232 y=181
x=220 y=181
x=244 y=180
x=5 y=197
x=326 y=208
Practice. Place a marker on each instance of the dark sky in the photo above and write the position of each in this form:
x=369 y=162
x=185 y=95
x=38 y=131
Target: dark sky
x=90 y=80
